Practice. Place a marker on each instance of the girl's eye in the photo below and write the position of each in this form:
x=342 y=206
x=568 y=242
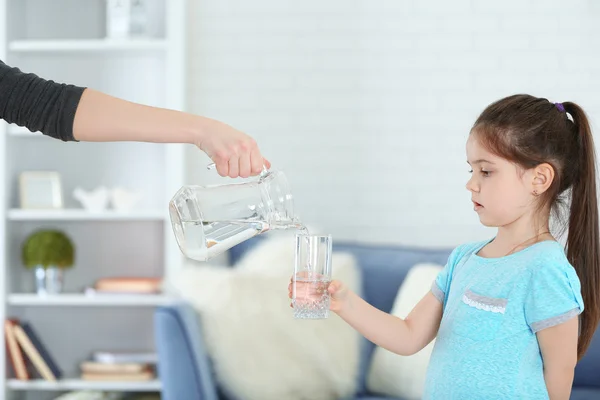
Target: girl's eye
x=483 y=172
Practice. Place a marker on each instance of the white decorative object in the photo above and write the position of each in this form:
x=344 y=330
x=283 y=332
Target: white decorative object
x=95 y=200
x=399 y=376
x=138 y=18
x=124 y=200
x=40 y=190
x=118 y=18
x=259 y=350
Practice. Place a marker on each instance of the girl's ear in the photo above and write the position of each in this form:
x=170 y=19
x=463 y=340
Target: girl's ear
x=543 y=176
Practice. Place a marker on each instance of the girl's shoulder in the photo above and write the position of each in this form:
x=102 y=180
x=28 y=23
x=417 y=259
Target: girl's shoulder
x=549 y=258
x=541 y=254
x=466 y=249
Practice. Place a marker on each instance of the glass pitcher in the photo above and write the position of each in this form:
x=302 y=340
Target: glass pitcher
x=208 y=220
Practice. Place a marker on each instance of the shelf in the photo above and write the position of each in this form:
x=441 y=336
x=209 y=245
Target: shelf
x=130 y=242
x=78 y=384
x=79 y=299
x=86 y=45
x=83 y=215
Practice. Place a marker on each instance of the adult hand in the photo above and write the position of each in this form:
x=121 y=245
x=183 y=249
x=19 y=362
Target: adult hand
x=234 y=152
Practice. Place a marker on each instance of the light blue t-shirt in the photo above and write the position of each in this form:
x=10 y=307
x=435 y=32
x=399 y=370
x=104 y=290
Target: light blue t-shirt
x=486 y=347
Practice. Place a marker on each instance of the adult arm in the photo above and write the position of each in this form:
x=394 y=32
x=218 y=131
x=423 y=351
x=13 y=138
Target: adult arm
x=74 y=113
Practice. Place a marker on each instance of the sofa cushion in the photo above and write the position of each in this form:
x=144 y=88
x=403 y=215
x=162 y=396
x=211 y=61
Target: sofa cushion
x=585 y=394
x=404 y=376
x=587 y=371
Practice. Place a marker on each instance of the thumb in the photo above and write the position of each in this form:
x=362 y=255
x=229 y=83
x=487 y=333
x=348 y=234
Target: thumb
x=334 y=287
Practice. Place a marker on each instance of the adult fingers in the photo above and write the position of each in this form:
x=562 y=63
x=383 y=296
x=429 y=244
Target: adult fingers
x=256 y=161
x=222 y=165
x=245 y=169
x=234 y=167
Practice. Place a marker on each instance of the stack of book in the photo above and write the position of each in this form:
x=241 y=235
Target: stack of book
x=125 y=285
x=28 y=355
x=119 y=366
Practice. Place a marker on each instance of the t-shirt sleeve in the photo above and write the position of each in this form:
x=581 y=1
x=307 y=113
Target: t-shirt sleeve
x=38 y=104
x=553 y=297
x=441 y=284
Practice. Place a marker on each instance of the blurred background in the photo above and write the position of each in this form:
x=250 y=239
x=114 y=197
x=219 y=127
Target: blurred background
x=365 y=105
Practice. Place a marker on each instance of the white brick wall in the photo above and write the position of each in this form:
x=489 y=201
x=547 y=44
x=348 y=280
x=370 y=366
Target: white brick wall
x=366 y=105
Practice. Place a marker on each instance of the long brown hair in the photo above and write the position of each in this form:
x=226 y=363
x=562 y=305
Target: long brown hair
x=529 y=131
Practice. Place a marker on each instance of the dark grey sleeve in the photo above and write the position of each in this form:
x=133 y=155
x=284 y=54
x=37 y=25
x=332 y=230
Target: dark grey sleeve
x=38 y=104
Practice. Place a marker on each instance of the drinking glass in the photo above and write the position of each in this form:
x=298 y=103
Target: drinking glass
x=312 y=275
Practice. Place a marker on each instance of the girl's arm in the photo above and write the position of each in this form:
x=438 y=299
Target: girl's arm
x=558 y=345
x=401 y=336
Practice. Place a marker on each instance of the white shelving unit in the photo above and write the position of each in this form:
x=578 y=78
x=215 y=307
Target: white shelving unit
x=83 y=215
x=66 y=41
x=76 y=299
x=86 y=45
x=75 y=384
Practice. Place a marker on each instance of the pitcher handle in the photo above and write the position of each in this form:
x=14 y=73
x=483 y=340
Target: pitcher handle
x=213 y=166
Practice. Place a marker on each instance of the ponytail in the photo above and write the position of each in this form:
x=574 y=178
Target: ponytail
x=583 y=246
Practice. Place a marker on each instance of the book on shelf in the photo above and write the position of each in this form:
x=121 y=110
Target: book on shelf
x=123 y=368
x=124 y=357
x=28 y=355
x=15 y=355
x=94 y=367
x=128 y=377
x=127 y=285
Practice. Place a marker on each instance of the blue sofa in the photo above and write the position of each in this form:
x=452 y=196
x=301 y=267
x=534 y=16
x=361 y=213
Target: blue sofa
x=185 y=369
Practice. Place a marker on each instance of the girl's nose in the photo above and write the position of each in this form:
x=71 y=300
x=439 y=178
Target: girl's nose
x=471 y=185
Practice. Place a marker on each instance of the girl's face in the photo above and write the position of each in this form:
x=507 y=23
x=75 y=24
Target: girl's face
x=500 y=190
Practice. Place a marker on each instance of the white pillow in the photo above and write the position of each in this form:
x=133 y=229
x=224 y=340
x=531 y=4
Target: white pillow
x=259 y=350
x=404 y=376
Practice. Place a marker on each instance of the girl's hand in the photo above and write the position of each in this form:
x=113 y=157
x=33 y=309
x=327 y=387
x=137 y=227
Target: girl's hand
x=313 y=291
x=339 y=295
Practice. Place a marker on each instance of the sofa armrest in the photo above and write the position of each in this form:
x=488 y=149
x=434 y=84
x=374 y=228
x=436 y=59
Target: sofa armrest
x=183 y=365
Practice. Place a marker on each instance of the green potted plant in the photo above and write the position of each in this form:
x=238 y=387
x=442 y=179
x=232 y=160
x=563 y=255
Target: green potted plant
x=48 y=252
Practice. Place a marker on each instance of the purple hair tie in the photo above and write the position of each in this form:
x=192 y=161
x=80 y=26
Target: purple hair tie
x=560 y=107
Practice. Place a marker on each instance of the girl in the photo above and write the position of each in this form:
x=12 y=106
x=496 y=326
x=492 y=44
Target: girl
x=508 y=312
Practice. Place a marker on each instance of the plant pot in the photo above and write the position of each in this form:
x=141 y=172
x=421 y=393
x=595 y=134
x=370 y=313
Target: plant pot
x=48 y=280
